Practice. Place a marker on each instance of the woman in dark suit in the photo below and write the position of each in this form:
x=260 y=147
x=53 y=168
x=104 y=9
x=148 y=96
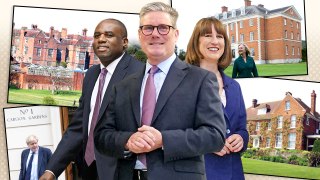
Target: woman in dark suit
x=209 y=48
x=244 y=66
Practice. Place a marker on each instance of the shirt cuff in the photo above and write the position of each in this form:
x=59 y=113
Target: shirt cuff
x=51 y=173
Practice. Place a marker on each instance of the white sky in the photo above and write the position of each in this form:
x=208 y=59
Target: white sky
x=192 y=11
x=75 y=21
x=267 y=90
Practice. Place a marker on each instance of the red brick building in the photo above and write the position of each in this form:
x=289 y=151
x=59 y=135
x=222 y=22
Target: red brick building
x=273 y=36
x=34 y=46
x=284 y=124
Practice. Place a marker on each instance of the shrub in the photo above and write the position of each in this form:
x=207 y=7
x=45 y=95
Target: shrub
x=316 y=146
x=314 y=159
x=48 y=100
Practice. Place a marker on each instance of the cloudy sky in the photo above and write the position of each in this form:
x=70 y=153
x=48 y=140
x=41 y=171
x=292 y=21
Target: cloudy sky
x=191 y=11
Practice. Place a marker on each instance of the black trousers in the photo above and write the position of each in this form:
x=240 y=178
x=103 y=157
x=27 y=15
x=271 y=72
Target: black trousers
x=140 y=175
x=90 y=172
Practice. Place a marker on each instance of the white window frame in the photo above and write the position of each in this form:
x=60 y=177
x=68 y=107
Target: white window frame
x=287 y=53
x=285 y=22
x=291 y=35
x=285 y=34
x=292 y=141
x=293 y=50
x=241 y=37
x=38 y=52
x=278 y=140
x=251 y=22
x=287 y=105
x=293 y=121
x=269 y=126
x=268 y=142
x=251 y=36
x=257 y=126
x=279 y=122
x=256 y=142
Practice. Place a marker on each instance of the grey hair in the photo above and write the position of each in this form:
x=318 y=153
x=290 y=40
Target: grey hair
x=162 y=7
x=31 y=138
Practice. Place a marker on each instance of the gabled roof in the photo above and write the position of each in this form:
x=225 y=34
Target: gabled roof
x=316 y=115
x=262 y=111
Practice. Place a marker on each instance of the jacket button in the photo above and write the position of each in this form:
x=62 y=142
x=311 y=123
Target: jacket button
x=228 y=131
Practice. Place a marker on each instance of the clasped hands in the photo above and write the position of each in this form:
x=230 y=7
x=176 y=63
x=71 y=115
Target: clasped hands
x=234 y=143
x=146 y=139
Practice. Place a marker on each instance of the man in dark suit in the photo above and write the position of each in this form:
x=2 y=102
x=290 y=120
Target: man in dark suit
x=33 y=160
x=186 y=119
x=109 y=44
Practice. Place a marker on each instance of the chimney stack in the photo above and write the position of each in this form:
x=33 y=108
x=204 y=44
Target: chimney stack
x=51 y=31
x=84 y=32
x=224 y=9
x=254 y=103
x=313 y=102
x=247 y=3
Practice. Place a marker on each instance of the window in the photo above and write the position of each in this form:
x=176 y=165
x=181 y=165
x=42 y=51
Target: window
x=287 y=105
x=256 y=142
x=224 y=14
x=307 y=121
x=292 y=141
x=241 y=37
x=39 y=41
x=250 y=22
x=257 y=126
x=287 y=50
x=298 y=51
x=232 y=39
x=25 y=50
x=82 y=55
x=233 y=13
x=50 y=53
x=291 y=35
x=243 y=11
x=293 y=50
x=251 y=36
x=278 y=140
x=298 y=36
x=241 y=24
x=269 y=125
x=285 y=34
x=293 y=121
x=38 y=52
x=285 y=22
x=231 y=26
x=268 y=142
x=279 y=122
x=252 y=54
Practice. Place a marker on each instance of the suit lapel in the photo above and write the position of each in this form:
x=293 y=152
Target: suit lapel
x=135 y=95
x=176 y=74
x=118 y=74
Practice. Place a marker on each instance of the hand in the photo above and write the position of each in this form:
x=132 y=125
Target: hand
x=155 y=133
x=47 y=176
x=140 y=142
x=236 y=143
x=225 y=150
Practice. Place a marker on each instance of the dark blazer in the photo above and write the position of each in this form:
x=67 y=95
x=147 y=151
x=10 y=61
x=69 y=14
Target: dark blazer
x=44 y=155
x=188 y=114
x=230 y=166
x=74 y=140
x=243 y=69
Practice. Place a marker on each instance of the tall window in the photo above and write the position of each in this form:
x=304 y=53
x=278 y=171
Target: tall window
x=38 y=52
x=25 y=50
x=291 y=35
x=241 y=24
x=241 y=37
x=287 y=105
x=251 y=36
x=232 y=39
x=250 y=22
x=279 y=122
x=293 y=50
x=292 y=141
x=269 y=125
x=285 y=34
x=293 y=121
x=252 y=54
x=257 y=126
x=268 y=142
x=50 y=53
x=256 y=142
x=287 y=50
x=231 y=26
x=285 y=22
x=278 y=140
x=82 y=55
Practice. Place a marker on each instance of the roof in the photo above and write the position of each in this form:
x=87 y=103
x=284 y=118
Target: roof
x=262 y=111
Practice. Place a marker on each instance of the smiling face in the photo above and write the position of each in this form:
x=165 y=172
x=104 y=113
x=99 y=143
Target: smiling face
x=157 y=47
x=109 y=41
x=211 y=45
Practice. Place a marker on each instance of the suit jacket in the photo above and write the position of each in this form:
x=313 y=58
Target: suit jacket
x=75 y=138
x=188 y=114
x=229 y=166
x=44 y=155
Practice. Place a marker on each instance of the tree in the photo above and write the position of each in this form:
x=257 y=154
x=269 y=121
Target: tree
x=141 y=56
x=182 y=54
x=316 y=146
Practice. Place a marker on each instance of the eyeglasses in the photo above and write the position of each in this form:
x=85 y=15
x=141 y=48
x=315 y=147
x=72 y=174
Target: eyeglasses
x=163 y=29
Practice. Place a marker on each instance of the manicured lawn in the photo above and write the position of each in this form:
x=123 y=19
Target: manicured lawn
x=24 y=96
x=279 y=169
x=267 y=70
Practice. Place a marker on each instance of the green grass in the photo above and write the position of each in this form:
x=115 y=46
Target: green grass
x=279 y=169
x=25 y=96
x=266 y=70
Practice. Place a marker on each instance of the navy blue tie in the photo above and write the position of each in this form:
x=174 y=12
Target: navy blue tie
x=28 y=173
